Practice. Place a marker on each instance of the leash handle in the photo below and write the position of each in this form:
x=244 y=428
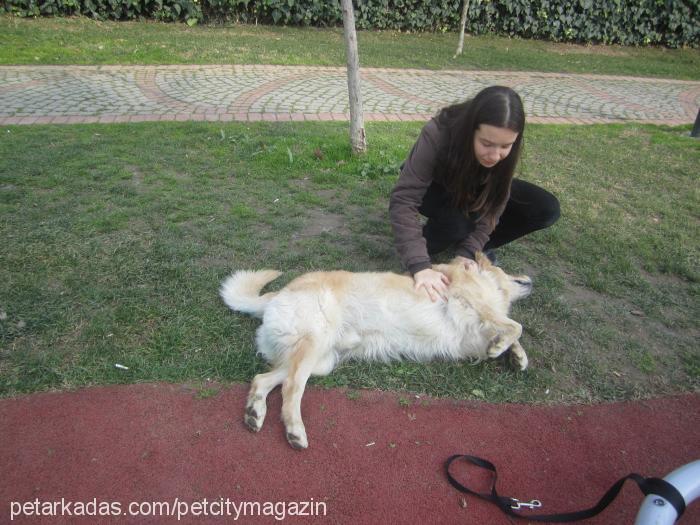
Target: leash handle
x=510 y=505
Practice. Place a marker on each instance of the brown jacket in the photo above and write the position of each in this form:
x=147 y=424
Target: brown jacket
x=423 y=166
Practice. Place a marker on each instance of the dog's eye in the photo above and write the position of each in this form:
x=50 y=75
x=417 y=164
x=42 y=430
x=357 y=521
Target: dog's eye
x=523 y=282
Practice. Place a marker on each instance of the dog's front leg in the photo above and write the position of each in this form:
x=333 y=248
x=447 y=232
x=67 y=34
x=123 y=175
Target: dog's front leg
x=256 y=407
x=507 y=334
x=503 y=331
x=518 y=355
x=303 y=362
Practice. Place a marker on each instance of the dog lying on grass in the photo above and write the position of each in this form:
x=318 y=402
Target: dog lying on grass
x=323 y=318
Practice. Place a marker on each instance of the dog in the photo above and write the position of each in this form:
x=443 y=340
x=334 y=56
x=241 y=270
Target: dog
x=323 y=318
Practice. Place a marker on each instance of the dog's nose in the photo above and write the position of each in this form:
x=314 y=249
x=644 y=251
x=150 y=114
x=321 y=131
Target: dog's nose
x=525 y=286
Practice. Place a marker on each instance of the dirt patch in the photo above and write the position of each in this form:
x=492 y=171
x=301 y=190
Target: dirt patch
x=663 y=280
x=216 y=262
x=136 y=175
x=636 y=352
x=318 y=222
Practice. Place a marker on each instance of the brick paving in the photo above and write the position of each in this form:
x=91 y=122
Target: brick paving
x=105 y=94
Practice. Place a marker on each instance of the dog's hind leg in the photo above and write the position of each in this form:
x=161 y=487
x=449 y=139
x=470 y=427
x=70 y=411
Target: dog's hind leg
x=301 y=364
x=262 y=385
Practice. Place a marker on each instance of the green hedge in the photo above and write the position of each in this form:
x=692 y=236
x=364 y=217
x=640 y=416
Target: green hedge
x=672 y=23
x=189 y=11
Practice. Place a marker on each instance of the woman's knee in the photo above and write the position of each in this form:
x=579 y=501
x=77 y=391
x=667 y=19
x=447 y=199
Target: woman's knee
x=533 y=204
x=549 y=211
x=541 y=208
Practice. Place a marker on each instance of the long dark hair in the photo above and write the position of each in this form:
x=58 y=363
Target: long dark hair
x=473 y=187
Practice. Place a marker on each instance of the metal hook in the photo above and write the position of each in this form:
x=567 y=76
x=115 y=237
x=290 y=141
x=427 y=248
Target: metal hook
x=517 y=504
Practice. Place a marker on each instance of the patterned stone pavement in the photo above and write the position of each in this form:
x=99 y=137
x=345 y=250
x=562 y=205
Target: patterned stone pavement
x=79 y=94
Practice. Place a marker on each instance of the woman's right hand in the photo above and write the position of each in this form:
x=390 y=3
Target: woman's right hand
x=434 y=282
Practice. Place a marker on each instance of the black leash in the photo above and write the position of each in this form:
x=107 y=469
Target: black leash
x=510 y=505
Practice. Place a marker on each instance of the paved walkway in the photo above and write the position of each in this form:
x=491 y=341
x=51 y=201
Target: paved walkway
x=78 y=94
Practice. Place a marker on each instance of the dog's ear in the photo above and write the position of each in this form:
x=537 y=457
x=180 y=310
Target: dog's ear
x=447 y=269
x=482 y=261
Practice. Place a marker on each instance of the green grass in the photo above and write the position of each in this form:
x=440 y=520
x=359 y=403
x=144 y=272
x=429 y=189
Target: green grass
x=116 y=237
x=84 y=41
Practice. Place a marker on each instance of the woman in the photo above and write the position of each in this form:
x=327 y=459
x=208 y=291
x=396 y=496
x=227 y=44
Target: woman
x=459 y=174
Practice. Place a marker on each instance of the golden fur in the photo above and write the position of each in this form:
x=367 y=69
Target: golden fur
x=322 y=318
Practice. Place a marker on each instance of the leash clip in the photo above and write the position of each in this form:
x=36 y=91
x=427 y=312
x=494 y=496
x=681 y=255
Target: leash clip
x=517 y=504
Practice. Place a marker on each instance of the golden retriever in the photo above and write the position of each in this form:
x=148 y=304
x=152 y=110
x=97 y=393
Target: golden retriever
x=323 y=318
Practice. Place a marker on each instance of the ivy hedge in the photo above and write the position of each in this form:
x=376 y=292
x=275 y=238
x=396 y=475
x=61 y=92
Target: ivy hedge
x=672 y=23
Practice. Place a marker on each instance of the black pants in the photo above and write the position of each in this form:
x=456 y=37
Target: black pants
x=530 y=208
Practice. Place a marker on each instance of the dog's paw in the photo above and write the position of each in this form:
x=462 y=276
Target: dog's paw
x=296 y=436
x=496 y=347
x=254 y=416
x=297 y=442
x=520 y=361
x=251 y=421
x=518 y=356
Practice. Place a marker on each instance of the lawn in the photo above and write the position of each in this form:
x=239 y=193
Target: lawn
x=116 y=237
x=85 y=41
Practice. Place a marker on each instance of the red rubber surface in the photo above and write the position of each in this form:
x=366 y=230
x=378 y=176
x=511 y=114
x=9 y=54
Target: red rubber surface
x=376 y=459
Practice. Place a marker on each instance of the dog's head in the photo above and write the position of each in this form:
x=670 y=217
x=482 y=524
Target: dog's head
x=515 y=286
x=487 y=277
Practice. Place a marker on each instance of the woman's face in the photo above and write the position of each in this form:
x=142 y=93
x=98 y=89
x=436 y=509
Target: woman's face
x=493 y=144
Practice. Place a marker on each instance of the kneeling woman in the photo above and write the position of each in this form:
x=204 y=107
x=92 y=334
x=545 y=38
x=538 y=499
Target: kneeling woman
x=459 y=174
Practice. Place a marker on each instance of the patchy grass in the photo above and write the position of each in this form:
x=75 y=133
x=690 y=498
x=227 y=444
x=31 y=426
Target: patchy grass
x=116 y=237
x=85 y=41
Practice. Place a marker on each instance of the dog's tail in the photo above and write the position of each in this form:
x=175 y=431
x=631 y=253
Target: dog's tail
x=241 y=291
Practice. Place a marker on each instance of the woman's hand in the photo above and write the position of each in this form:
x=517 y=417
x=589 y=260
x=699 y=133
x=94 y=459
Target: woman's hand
x=469 y=264
x=434 y=282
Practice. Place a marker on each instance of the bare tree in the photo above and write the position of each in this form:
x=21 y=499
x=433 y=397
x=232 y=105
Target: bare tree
x=462 y=24
x=358 y=140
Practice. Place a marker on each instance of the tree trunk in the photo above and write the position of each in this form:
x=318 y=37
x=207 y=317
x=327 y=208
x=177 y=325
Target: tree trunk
x=358 y=140
x=462 y=24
